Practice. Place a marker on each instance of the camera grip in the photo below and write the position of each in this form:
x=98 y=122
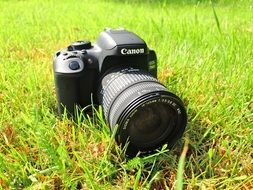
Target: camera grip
x=67 y=92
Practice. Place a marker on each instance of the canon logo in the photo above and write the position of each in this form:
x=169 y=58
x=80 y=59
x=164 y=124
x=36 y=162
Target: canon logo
x=125 y=51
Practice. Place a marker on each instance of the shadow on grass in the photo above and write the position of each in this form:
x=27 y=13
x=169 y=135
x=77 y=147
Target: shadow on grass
x=158 y=170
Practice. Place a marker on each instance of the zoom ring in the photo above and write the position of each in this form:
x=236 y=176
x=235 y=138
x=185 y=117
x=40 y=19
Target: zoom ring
x=116 y=82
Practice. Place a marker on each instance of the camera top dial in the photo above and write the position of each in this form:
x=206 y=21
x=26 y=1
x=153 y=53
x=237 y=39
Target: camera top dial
x=80 y=45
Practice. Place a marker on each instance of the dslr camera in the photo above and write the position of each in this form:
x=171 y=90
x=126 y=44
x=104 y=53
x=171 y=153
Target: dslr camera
x=119 y=73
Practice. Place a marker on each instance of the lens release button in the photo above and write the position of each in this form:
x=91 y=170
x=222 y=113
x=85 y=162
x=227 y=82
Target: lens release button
x=74 y=65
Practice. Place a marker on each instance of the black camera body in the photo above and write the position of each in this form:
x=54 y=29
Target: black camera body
x=119 y=73
x=80 y=66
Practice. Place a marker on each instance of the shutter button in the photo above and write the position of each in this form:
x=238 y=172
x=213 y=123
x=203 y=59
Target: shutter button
x=74 y=65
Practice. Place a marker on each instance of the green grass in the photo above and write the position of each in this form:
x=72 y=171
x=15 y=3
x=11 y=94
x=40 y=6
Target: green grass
x=205 y=56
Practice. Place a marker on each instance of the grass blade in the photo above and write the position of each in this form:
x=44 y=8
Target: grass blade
x=216 y=17
x=180 y=171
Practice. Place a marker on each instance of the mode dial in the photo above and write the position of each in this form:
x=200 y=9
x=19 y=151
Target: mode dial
x=80 y=45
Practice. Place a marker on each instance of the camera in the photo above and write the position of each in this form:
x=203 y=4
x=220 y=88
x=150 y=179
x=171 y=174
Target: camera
x=119 y=72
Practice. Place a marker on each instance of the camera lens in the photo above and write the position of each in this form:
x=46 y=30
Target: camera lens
x=147 y=114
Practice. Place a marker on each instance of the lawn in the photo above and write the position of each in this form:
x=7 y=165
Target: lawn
x=205 y=54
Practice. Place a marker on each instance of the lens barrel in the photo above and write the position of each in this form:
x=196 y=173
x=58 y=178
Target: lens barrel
x=147 y=114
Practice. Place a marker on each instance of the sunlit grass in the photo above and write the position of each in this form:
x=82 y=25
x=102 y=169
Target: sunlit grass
x=205 y=56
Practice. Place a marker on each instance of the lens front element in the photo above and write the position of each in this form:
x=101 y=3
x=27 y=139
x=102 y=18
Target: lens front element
x=150 y=123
